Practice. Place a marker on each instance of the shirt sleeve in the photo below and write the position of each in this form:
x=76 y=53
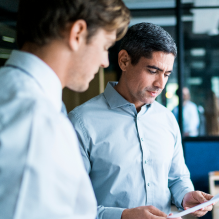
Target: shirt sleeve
x=83 y=139
x=179 y=177
x=51 y=181
x=85 y=144
x=109 y=212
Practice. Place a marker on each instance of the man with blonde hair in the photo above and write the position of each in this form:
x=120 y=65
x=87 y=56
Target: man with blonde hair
x=62 y=44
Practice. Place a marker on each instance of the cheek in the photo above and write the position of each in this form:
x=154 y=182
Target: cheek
x=166 y=80
x=135 y=84
x=159 y=92
x=147 y=82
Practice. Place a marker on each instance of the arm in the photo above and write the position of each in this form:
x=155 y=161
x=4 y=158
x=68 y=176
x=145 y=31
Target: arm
x=179 y=177
x=181 y=186
x=85 y=148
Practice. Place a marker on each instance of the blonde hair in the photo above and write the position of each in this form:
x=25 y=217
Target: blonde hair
x=40 y=25
x=117 y=17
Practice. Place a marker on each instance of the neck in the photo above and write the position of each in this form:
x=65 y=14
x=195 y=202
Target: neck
x=53 y=55
x=123 y=90
x=184 y=102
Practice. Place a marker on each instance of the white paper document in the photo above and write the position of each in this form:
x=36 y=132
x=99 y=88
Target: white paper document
x=197 y=207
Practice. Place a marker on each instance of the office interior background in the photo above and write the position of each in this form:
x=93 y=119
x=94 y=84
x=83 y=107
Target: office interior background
x=194 y=24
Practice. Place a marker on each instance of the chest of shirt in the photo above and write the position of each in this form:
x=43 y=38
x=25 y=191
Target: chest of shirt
x=120 y=139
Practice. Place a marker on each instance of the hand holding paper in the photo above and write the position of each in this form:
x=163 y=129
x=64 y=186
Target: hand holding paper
x=194 y=198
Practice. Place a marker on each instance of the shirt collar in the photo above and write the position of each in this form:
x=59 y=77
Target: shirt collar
x=44 y=76
x=114 y=99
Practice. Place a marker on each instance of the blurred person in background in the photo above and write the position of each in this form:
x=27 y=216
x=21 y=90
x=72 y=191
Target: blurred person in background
x=191 y=119
x=62 y=44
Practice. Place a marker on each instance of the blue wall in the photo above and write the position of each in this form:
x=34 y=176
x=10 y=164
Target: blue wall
x=201 y=158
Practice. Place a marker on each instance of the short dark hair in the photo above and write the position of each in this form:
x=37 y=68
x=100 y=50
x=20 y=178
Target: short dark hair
x=40 y=21
x=142 y=39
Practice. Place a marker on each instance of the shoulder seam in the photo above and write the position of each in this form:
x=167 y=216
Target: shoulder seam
x=77 y=116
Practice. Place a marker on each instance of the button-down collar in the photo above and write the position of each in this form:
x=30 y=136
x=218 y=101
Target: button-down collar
x=115 y=100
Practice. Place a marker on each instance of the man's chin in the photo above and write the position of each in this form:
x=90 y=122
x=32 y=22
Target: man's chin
x=149 y=100
x=85 y=86
x=79 y=88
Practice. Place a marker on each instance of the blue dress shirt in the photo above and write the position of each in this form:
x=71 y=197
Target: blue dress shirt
x=42 y=175
x=133 y=159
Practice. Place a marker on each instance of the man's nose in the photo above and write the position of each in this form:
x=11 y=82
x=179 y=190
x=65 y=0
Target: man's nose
x=105 y=61
x=160 y=81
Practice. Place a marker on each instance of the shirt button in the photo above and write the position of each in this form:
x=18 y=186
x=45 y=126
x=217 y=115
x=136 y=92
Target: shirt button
x=148 y=184
x=145 y=161
x=141 y=139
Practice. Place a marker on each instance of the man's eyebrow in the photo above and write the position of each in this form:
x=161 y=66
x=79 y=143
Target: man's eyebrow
x=155 y=67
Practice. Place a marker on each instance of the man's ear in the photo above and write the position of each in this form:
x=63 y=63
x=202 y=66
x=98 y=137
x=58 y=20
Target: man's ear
x=78 y=34
x=124 y=60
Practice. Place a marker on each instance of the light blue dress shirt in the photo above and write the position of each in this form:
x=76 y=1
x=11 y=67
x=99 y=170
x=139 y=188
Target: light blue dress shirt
x=133 y=159
x=42 y=175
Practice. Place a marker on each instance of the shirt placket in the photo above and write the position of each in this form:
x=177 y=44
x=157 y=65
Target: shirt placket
x=145 y=161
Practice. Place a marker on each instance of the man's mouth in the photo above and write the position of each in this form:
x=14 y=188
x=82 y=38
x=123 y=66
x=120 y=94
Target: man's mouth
x=152 y=93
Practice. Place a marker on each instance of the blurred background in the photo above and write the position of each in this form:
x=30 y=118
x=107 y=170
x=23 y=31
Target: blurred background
x=192 y=91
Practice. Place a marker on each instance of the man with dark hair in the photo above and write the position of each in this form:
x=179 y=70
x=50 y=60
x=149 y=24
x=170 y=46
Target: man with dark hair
x=131 y=144
x=145 y=38
x=62 y=44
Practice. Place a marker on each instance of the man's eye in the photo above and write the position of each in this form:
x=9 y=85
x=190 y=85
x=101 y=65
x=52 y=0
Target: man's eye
x=152 y=72
x=167 y=75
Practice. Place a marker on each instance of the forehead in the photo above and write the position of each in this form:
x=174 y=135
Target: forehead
x=159 y=59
